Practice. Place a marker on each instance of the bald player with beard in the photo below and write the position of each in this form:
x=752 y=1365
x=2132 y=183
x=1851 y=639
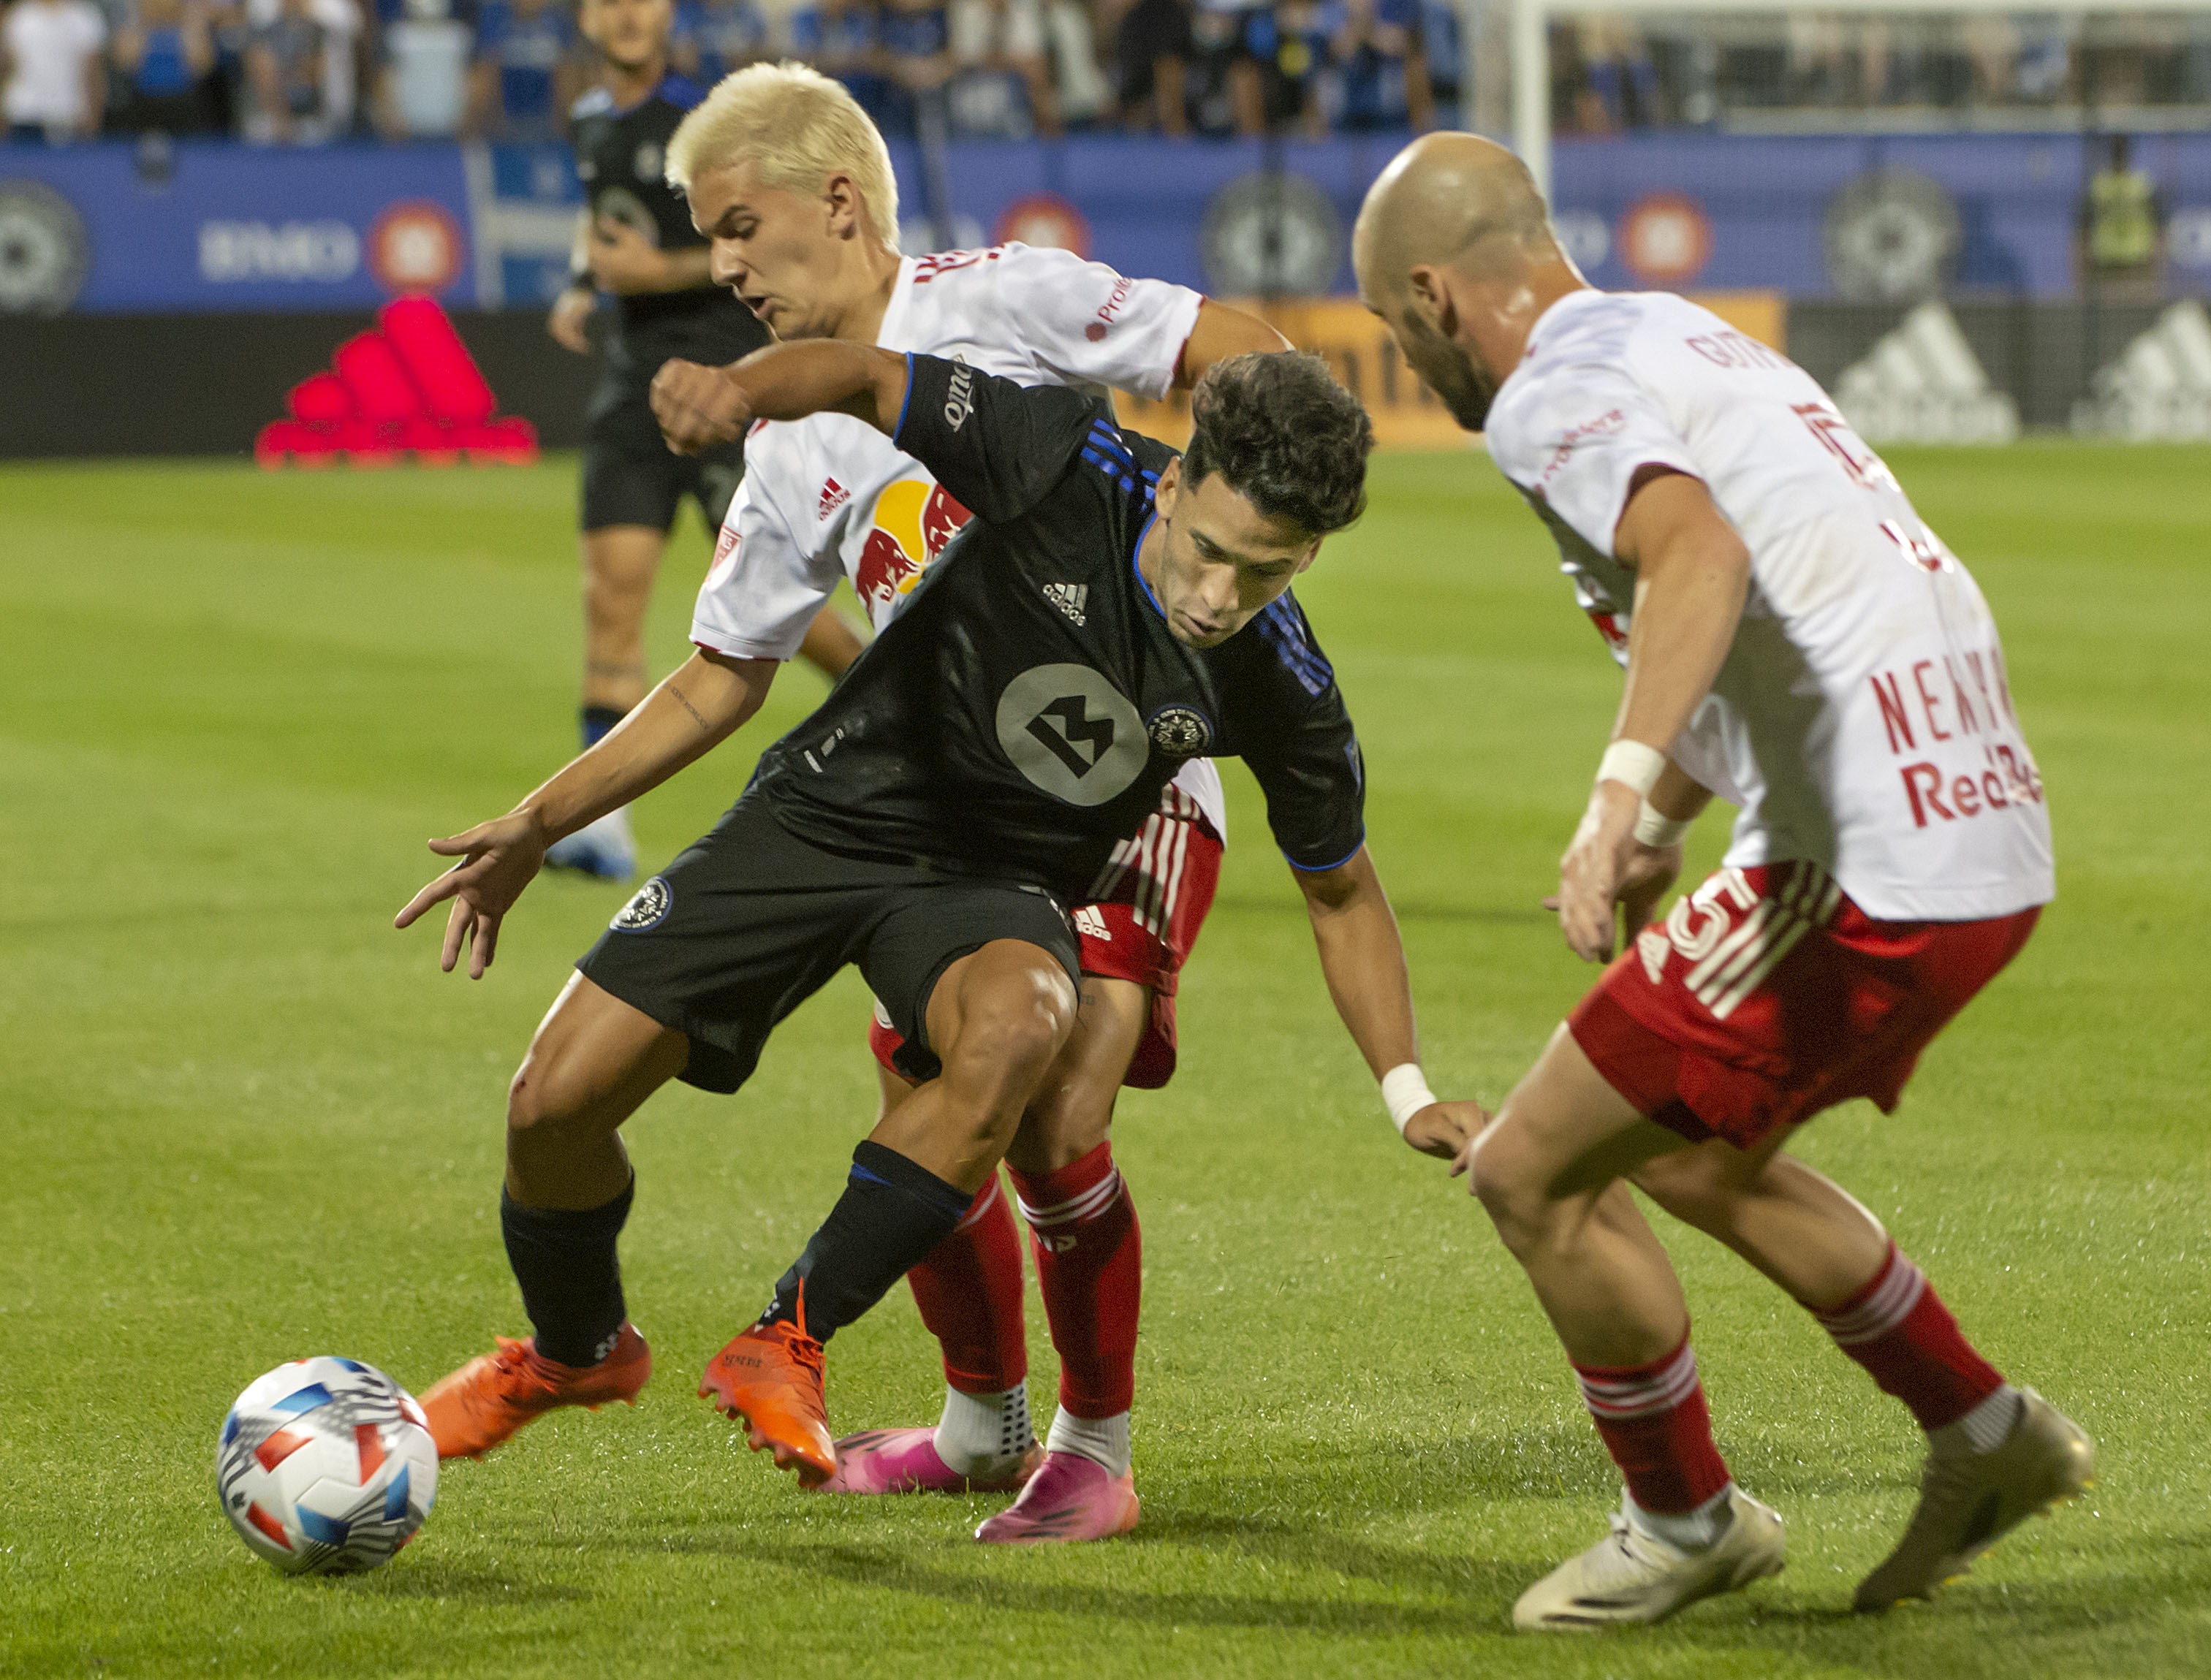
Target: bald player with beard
x=1796 y=641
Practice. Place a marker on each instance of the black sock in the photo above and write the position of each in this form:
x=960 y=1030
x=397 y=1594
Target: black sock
x=893 y=1212
x=597 y=720
x=564 y=1258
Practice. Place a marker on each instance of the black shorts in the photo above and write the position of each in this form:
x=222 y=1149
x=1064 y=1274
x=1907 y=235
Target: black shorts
x=631 y=477
x=750 y=921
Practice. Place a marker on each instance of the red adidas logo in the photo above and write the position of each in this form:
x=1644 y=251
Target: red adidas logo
x=408 y=385
x=833 y=496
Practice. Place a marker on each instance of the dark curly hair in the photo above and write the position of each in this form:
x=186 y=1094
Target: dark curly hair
x=1286 y=436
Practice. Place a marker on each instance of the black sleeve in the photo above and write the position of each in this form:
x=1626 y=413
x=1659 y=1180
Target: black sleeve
x=1286 y=721
x=998 y=447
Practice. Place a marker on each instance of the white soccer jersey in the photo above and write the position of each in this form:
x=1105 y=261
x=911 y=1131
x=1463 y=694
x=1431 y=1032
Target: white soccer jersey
x=1863 y=719
x=830 y=495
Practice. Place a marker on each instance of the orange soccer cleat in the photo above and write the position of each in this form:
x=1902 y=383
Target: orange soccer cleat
x=492 y=1396
x=770 y=1378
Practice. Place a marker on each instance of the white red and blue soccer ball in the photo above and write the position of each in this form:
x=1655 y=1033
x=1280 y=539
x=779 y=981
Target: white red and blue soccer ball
x=326 y=1467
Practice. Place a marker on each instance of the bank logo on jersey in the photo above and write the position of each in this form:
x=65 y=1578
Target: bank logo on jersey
x=1180 y=732
x=913 y=519
x=1072 y=732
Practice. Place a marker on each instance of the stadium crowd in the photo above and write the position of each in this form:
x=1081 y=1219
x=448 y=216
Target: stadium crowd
x=303 y=71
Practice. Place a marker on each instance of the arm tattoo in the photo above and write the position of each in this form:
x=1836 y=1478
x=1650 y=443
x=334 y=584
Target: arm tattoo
x=681 y=701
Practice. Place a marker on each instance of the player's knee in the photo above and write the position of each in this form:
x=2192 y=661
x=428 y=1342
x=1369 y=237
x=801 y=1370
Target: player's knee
x=539 y=1104
x=1506 y=1179
x=1012 y=1028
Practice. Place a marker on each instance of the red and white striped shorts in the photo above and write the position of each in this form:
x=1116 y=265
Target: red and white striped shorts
x=1766 y=995
x=1145 y=910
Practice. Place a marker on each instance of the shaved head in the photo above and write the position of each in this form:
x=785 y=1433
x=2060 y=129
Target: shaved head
x=1454 y=251
x=1449 y=198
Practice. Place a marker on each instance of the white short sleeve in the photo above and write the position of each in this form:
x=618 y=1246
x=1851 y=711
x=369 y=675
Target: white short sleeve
x=1576 y=439
x=1090 y=325
x=763 y=590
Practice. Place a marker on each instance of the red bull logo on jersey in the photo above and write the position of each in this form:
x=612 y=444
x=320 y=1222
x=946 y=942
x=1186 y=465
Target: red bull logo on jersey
x=913 y=521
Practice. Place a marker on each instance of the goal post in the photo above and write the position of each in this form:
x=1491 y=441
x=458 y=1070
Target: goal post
x=1529 y=29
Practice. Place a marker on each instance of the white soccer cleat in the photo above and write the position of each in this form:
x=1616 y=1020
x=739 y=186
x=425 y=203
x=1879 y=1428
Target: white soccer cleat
x=1969 y=1500
x=1633 y=1577
x=605 y=849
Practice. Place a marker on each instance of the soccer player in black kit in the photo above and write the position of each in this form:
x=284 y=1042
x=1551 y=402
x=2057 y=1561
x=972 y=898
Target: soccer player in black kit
x=1110 y=611
x=636 y=245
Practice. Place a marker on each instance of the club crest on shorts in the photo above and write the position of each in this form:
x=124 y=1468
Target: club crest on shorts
x=648 y=907
x=1180 y=732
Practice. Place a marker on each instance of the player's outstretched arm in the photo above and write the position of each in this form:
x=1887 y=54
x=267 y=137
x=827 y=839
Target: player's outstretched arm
x=1222 y=332
x=1692 y=578
x=699 y=406
x=690 y=713
x=1363 y=960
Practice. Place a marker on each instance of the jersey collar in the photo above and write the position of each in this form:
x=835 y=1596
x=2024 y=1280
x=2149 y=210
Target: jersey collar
x=1137 y=570
x=892 y=335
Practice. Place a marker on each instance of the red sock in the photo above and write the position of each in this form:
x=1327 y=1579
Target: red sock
x=1898 y=1329
x=1657 y=1428
x=1089 y=1262
x=969 y=1291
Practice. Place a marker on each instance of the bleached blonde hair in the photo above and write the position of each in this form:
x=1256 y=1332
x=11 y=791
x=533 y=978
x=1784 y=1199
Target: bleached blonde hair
x=800 y=127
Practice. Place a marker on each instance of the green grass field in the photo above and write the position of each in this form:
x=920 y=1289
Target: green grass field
x=241 y=1119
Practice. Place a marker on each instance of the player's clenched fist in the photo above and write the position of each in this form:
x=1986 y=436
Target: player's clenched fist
x=699 y=406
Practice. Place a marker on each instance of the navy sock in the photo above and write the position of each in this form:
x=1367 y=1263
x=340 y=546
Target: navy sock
x=564 y=1258
x=599 y=721
x=891 y=1214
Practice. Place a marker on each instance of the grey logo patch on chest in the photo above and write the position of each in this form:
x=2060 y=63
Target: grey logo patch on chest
x=648 y=907
x=1071 y=733
x=1180 y=732
x=648 y=161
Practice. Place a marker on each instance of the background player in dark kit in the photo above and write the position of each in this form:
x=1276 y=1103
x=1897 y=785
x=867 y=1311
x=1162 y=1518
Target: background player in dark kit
x=969 y=778
x=636 y=244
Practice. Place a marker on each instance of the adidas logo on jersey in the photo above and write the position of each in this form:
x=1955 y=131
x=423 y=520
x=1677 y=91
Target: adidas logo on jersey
x=1090 y=922
x=1070 y=598
x=833 y=496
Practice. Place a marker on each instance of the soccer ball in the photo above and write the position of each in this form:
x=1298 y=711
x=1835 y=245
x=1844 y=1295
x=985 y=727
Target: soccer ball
x=325 y=1467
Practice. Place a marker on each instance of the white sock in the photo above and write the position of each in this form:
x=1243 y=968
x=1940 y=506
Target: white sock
x=1990 y=1425
x=980 y=1433
x=1101 y=1440
x=1687 y=1531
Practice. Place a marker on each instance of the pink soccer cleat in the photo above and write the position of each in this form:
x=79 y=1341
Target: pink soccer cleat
x=906 y=1461
x=1069 y=1498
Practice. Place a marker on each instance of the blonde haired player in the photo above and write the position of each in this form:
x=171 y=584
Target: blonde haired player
x=1796 y=641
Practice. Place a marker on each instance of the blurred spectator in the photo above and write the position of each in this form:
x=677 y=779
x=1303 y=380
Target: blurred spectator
x=164 y=59
x=422 y=82
x=338 y=24
x=2122 y=224
x=918 y=44
x=526 y=72
x=997 y=46
x=844 y=38
x=715 y=37
x=1619 y=87
x=1377 y=49
x=291 y=65
x=55 y=79
x=1153 y=51
x=1073 y=30
x=1294 y=65
x=1232 y=37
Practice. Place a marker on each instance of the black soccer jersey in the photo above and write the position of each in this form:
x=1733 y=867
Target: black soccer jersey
x=1025 y=712
x=619 y=156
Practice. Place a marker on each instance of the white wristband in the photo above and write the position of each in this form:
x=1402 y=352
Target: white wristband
x=1405 y=1092
x=1632 y=762
x=1656 y=828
